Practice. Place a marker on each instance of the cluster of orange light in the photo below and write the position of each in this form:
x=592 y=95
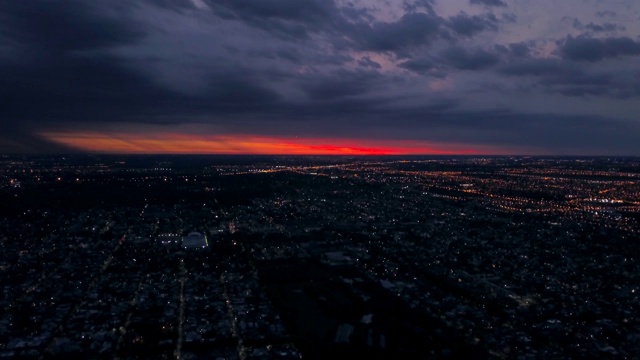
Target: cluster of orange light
x=170 y=143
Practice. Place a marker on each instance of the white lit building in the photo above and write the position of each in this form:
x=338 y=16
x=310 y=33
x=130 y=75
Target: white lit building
x=195 y=240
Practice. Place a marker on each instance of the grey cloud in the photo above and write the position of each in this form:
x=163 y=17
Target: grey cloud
x=68 y=71
x=21 y=140
x=291 y=55
x=509 y=17
x=520 y=49
x=575 y=23
x=465 y=25
x=595 y=49
x=417 y=29
x=546 y=130
x=570 y=79
x=462 y=58
x=93 y=86
x=234 y=93
x=175 y=5
x=488 y=2
x=299 y=57
x=77 y=88
x=514 y=50
x=308 y=57
x=357 y=15
x=535 y=67
x=313 y=11
x=83 y=90
x=349 y=27
x=555 y=131
x=578 y=82
x=65 y=73
x=69 y=26
x=417 y=5
x=420 y=65
x=287 y=18
x=606 y=27
x=606 y=13
x=475 y=59
x=367 y=62
x=412 y=29
x=568 y=134
x=592 y=27
x=331 y=59
x=291 y=69
x=339 y=84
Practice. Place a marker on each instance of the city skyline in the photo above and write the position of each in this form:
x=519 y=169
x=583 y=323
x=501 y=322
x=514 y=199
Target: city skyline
x=362 y=77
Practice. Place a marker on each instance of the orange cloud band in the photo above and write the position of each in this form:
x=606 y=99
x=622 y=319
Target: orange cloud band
x=171 y=143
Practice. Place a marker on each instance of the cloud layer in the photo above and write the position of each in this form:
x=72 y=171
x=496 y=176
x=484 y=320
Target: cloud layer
x=510 y=76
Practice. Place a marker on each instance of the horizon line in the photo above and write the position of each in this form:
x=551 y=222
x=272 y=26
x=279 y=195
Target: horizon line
x=305 y=155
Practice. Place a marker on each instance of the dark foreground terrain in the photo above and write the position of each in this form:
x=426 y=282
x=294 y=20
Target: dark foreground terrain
x=202 y=257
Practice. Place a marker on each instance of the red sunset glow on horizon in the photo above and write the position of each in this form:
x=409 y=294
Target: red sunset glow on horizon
x=172 y=143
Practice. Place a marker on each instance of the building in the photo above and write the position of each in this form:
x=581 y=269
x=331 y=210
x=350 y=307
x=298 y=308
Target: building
x=194 y=240
x=169 y=239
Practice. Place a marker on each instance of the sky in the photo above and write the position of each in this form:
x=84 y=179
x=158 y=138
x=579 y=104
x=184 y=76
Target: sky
x=352 y=77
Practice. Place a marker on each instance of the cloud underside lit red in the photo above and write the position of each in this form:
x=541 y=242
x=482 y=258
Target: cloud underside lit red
x=169 y=143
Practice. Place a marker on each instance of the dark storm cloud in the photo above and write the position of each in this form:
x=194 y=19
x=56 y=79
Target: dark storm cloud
x=292 y=55
x=55 y=72
x=419 y=65
x=574 y=22
x=570 y=79
x=509 y=18
x=411 y=30
x=548 y=130
x=465 y=59
x=512 y=127
x=418 y=5
x=605 y=27
x=292 y=18
x=596 y=49
x=444 y=122
x=70 y=78
x=339 y=84
x=514 y=52
x=536 y=67
x=295 y=56
x=234 y=94
x=594 y=28
x=20 y=139
x=367 y=62
x=415 y=30
x=311 y=11
x=76 y=87
x=355 y=15
x=468 y=26
x=351 y=28
x=174 y=5
x=606 y=13
x=520 y=49
x=489 y=2
x=355 y=28
x=63 y=70
x=68 y=26
x=291 y=67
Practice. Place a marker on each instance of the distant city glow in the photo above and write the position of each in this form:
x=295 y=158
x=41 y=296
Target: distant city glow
x=171 y=143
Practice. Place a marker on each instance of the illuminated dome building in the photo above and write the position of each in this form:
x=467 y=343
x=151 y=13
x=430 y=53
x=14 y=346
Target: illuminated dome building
x=194 y=240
